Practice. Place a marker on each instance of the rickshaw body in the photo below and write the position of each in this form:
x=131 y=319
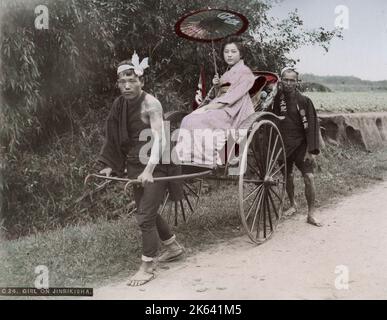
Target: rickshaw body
x=259 y=172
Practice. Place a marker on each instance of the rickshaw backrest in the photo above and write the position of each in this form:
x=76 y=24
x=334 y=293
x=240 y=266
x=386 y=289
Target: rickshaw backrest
x=264 y=82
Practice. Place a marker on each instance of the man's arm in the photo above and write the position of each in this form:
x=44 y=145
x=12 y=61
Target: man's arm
x=154 y=111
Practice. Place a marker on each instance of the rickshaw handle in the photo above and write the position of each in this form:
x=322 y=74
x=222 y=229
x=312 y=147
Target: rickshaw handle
x=135 y=181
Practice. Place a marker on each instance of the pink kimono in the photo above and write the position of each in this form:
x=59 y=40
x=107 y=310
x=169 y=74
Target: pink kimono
x=202 y=136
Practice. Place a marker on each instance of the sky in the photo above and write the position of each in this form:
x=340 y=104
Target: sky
x=362 y=52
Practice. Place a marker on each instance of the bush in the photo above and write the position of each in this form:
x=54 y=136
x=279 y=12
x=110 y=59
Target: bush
x=57 y=85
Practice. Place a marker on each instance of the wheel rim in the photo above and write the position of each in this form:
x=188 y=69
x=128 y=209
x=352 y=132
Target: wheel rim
x=262 y=181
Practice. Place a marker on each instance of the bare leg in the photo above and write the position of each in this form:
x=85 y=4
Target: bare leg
x=290 y=192
x=310 y=194
x=144 y=274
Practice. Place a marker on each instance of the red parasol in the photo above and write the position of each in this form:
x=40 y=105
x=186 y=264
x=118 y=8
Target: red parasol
x=210 y=25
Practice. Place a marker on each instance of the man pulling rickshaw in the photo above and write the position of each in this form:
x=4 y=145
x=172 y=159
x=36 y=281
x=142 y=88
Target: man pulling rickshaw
x=261 y=155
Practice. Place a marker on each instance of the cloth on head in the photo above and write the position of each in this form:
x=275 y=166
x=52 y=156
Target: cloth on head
x=136 y=65
x=287 y=69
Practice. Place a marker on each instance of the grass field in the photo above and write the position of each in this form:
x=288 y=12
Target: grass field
x=103 y=251
x=98 y=241
x=349 y=101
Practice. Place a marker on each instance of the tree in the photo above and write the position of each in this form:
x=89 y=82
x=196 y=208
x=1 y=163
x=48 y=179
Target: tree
x=50 y=76
x=50 y=79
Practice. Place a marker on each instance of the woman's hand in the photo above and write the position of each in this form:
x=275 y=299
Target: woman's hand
x=216 y=80
x=198 y=97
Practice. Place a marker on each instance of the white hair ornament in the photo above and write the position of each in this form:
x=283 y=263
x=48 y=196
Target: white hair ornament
x=137 y=67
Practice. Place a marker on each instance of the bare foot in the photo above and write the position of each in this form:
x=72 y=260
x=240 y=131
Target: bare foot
x=313 y=221
x=145 y=274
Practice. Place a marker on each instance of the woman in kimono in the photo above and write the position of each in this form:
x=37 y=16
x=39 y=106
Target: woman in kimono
x=211 y=123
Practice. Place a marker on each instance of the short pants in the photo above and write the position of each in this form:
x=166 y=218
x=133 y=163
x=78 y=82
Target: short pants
x=297 y=158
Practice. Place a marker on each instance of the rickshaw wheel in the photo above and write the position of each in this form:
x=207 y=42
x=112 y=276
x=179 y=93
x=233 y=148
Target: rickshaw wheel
x=262 y=181
x=182 y=210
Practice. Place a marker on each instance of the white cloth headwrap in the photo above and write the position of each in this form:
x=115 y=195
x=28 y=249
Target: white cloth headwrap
x=136 y=65
x=288 y=68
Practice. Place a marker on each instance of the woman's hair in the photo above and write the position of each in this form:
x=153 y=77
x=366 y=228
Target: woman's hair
x=238 y=42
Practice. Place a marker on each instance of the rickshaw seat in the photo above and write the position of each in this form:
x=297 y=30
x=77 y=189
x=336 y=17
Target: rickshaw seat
x=263 y=85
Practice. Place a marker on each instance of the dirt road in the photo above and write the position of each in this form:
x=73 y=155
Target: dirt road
x=299 y=262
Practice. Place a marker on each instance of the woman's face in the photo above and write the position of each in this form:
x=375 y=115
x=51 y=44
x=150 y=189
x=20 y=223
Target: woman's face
x=231 y=54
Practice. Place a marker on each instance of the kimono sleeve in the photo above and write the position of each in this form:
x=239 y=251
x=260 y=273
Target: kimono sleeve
x=238 y=88
x=312 y=133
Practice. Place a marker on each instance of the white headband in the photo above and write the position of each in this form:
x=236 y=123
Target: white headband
x=288 y=68
x=124 y=67
x=136 y=65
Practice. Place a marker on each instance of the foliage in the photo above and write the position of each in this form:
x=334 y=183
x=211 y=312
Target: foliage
x=95 y=253
x=346 y=83
x=312 y=86
x=51 y=75
x=51 y=80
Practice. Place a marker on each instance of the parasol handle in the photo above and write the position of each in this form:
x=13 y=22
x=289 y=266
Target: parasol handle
x=214 y=57
x=207 y=98
x=215 y=66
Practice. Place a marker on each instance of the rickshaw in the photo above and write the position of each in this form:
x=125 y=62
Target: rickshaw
x=260 y=171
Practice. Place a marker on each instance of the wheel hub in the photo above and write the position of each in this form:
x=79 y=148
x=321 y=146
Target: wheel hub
x=269 y=181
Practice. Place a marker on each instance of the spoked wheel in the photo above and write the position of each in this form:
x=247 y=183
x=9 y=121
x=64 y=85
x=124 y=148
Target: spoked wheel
x=182 y=210
x=262 y=181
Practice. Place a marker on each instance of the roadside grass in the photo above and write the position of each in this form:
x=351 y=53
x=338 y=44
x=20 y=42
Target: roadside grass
x=105 y=250
x=341 y=171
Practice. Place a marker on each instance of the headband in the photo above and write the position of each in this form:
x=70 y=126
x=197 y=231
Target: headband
x=288 y=68
x=136 y=65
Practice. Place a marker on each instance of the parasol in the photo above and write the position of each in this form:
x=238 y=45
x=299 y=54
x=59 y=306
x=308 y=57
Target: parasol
x=210 y=25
